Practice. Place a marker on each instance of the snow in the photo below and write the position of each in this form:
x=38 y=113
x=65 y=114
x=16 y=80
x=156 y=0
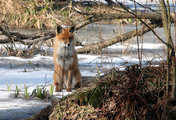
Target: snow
x=135 y=46
x=36 y=75
x=17 y=108
x=39 y=76
x=35 y=58
x=16 y=103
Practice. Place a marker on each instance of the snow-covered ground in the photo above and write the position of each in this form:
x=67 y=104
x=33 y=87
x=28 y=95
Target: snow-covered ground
x=18 y=108
x=16 y=71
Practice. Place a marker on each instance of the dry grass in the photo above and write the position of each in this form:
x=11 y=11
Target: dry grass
x=27 y=13
x=46 y=14
x=31 y=14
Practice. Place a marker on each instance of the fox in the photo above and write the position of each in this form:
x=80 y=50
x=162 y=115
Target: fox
x=66 y=69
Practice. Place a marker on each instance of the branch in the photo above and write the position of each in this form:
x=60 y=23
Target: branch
x=4 y=32
x=94 y=17
x=120 y=38
x=29 y=39
x=120 y=14
x=87 y=21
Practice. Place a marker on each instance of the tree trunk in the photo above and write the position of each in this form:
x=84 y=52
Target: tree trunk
x=170 y=50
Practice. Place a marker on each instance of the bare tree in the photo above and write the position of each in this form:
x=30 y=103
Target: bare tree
x=171 y=75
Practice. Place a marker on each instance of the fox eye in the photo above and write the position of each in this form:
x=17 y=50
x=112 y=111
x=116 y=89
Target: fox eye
x=63 y=38
x=70 y=38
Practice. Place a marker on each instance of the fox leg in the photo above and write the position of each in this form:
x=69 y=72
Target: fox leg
x=78 y=79
x=69 y=81
x=58 y=81
x=55 y=80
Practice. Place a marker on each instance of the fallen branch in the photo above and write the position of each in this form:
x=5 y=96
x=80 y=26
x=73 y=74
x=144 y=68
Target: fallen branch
x=120 y=38
x=123 y=15
x=28 y=39
x=6 y=32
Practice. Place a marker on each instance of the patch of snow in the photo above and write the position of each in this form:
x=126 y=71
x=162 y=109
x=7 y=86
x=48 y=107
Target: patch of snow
x=35 y=58
x=17 y=108
x=19 y=78
x=62 y=93
x=134 y=46
x=77 y=47
x=17 y=102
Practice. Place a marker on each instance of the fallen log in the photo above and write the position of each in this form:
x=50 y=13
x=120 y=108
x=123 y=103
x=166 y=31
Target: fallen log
x=123 y=37
x=122 y=15
x=27 y=39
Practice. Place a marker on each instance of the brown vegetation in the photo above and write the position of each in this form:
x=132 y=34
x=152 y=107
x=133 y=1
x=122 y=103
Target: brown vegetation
x=43 y=15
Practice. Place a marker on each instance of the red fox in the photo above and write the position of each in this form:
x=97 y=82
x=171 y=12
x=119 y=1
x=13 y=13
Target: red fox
x=66 y=70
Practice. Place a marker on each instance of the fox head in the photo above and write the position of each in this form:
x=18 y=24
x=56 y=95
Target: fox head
x=65 y=35
x=64 y=42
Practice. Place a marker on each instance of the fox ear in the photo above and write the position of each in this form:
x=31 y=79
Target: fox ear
x=72 y=28
x=59 y=29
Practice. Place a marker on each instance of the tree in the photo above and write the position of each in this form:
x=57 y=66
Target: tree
x=171 y=75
